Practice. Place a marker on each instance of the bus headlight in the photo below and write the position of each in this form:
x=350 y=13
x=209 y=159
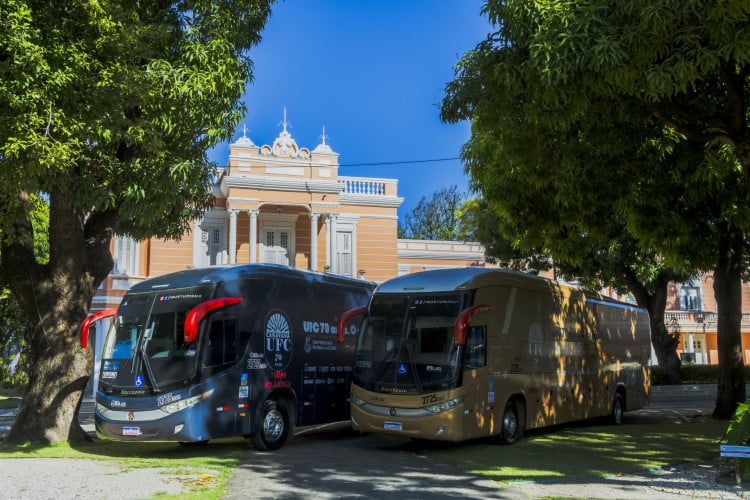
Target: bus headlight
x=100 y=408
x=181 y=404
x=357 y=401
x=443 y=406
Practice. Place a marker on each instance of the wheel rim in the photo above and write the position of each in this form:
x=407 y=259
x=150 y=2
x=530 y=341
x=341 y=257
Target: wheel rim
x=273 y=425
x=510 y=424
x=618 y=410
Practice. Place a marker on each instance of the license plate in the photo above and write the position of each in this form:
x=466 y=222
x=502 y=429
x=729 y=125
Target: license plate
x=131 y=431
x=393 y=426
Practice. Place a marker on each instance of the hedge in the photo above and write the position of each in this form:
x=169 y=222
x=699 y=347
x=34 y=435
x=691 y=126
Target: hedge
x=692 y=374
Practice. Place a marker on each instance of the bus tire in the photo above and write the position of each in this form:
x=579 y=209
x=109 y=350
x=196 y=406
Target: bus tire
x=618 y=409
x=274 y=427
x=511 y=429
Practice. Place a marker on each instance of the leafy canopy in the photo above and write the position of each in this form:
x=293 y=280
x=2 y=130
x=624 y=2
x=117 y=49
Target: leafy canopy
x=113 y=104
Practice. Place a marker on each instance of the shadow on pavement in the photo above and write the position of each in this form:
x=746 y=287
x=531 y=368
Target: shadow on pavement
x=340 y=463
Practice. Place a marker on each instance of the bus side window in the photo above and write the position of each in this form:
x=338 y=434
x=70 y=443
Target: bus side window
x=475 y=350
x=222 y=343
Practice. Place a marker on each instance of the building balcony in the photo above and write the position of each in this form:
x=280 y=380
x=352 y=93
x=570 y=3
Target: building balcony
x=698 y=321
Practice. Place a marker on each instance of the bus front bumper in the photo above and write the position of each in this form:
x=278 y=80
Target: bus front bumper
x=415 y=423
x=182 y=426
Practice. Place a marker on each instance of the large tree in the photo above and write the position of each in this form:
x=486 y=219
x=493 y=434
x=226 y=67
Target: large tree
x=435 y=217
x=107 y=109
x=558 y=198
x=680 y=67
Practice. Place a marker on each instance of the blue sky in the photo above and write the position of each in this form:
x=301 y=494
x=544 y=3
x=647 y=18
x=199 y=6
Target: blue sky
x=373 y=72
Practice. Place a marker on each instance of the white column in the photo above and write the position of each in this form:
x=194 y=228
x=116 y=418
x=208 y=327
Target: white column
x=232 y=235
x=197 y=238
x=332 y=243
x=314 y=241
x=253 y=235
x=355 y=264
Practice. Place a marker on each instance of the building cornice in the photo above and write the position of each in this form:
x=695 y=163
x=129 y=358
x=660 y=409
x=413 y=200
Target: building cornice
x=409 y=254
x=279 y=184
x=370 y=200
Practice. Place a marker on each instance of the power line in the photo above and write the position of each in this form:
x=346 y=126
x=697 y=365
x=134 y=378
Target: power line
x=395 y=162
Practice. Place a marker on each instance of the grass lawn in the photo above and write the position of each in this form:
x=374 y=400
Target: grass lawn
x=205 y=468
x=9 y=402
x=582 y=451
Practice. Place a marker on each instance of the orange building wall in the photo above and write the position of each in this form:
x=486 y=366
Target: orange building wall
x=376 y=248
x=170 y=256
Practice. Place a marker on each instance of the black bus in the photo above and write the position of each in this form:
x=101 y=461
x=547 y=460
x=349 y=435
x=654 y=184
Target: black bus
x=247 y=350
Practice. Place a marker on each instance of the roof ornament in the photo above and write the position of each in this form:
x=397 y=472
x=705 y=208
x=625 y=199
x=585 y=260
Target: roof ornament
x=323 y=147
x=323 y=136
x=284 y=145
x=245 y=141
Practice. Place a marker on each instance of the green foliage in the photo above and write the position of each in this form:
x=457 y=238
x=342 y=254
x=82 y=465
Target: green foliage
x=13 y=333
x=738 y=431
x=610 y=137
x=114 y=104
x=435 y=217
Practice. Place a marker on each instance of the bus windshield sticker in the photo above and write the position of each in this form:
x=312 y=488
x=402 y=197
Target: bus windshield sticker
x=255 y=361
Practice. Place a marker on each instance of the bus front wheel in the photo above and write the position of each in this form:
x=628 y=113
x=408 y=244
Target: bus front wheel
x=512 y=425
x=274 y=427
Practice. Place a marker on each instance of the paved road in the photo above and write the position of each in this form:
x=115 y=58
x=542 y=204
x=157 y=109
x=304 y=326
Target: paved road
x=334 y=462
x=339 y=463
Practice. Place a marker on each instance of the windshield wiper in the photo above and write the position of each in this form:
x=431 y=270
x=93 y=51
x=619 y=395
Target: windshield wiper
x=147 y=365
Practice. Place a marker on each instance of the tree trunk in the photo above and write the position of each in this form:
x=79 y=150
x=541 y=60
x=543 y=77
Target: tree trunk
x=665 y=348
x=728 y=292
x=664 y=342
x=56 y=297
x=58 y=377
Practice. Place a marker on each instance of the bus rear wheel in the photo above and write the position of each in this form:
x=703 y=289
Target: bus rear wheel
x=618 y=409
x=274 y=427
x=512 y=426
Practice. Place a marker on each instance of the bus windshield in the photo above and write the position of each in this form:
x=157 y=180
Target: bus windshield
x=146 y=350
x=407 y=345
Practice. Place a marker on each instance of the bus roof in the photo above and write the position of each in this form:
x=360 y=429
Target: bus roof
x=444 y=280
x=217 y=274
x=467 y=278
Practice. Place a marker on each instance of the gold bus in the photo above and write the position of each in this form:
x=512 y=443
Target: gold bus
x=458 y=354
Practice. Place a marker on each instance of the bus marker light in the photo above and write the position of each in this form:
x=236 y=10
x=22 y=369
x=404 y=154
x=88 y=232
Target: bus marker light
x=196 y=314
x=178 y=428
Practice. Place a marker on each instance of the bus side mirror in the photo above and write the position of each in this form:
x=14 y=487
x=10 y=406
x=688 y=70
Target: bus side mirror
x=461 y=326
x=196 y=314
x=346 y=316
x=93 y=319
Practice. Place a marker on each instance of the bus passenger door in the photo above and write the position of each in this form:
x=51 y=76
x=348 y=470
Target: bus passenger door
x=480 y=389
x=220 y=373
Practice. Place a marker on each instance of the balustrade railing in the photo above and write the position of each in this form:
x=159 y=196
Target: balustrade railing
x=707 y=319
x=364 y=186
